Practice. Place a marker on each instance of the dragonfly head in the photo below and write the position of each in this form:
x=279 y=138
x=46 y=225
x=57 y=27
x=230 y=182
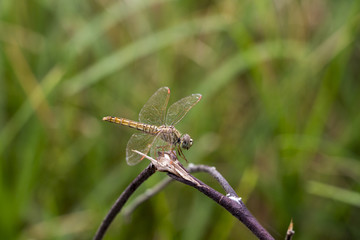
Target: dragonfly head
x=186 y=141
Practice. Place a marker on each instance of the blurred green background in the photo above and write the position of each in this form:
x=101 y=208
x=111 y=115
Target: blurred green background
x=279 y=116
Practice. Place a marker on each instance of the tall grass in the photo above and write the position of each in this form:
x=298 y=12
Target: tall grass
x=279 y=116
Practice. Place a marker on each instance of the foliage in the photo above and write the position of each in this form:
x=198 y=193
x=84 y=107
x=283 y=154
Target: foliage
x=279 y=116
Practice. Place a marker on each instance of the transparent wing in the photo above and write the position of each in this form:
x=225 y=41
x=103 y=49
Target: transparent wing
x=179 y=109
x=141 y=142
x=153 y=112
x=159 y=145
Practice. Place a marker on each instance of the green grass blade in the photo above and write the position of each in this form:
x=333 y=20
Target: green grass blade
x=141 y=48
x=334 y=193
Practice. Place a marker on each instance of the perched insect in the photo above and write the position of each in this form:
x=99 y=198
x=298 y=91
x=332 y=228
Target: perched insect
x=157 y=126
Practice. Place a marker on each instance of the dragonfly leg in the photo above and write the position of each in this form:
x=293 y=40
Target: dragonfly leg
x=181 y=154
x=162 y=149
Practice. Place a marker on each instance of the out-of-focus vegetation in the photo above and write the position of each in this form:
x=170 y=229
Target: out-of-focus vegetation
x=280 y=116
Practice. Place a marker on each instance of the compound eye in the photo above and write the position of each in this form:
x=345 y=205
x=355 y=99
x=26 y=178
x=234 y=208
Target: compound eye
x=186 y=141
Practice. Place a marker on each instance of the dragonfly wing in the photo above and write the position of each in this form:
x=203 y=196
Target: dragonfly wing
x=153 y=112
x=159 y=145
x=141 y=142
x=179 y=109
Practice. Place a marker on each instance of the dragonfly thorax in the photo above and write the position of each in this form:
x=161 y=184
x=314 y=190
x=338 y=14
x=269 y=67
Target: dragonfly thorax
x=171 y=135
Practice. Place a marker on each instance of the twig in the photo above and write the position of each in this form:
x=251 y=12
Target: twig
x=145 y=196
x=192 y=168
x=168 y=162
x=116 y=208
x=290 y=232
x=218 y=177
x=236 y=208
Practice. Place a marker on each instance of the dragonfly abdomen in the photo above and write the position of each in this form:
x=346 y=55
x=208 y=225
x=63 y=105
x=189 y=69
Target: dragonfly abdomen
x=151 y=129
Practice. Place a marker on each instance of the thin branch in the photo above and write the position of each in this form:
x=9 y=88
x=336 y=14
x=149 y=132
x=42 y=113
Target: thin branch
x=192 y=168
x=168 y=162
x=235 y=206
x=218 y=177
x=290 y=232
x=116 y=208
x=145 y=196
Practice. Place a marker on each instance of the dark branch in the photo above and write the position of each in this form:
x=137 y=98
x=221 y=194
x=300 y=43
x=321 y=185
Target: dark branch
x=145 y=196
x=116 y=208
x=218 y=177
x=235 y=206
x=290 y=232
x=169 y=163
x=192 y=168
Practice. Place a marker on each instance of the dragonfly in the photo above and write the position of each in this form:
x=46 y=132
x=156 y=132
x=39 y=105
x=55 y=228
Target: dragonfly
x=156 y=126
